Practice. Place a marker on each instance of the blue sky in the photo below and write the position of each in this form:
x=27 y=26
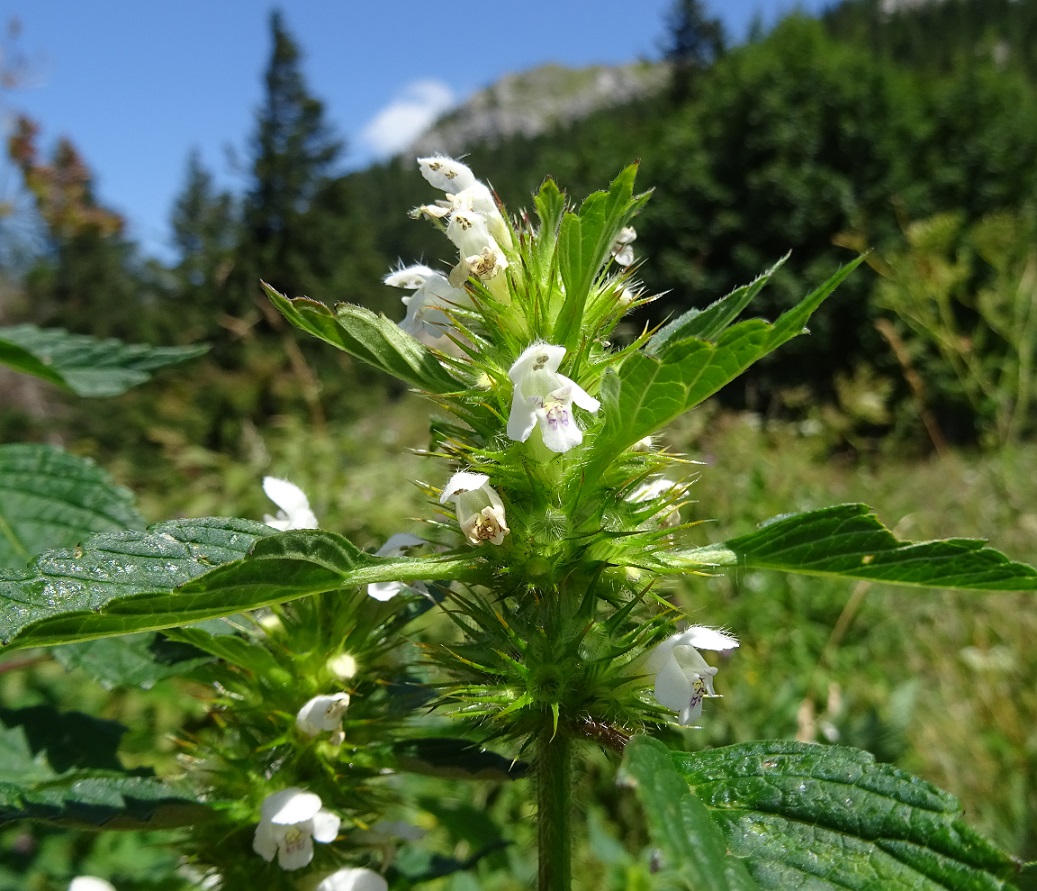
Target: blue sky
x=138 y=84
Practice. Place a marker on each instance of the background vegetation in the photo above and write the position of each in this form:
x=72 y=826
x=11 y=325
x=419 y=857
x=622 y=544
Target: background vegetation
x=912 y=133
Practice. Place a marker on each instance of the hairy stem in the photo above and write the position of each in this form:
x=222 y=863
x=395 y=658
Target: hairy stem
x=554 y=806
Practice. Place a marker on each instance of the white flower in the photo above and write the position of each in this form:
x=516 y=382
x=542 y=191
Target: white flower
x=295 y=510
x=396 y=546
x=323 y=714
x=355 y=879
x=481 y=255
x=446 y=174
x=409 y=277
x=463 y=192
x=291 y=821
x=426 y=319
x=480 y=511
x=90 y=883
x=621 y=249
x=682 y=677
x=544 y=397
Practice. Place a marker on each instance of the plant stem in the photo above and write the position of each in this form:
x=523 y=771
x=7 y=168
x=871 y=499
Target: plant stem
x=554 y=805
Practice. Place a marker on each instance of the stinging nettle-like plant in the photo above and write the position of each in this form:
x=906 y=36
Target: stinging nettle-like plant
x=551 y=527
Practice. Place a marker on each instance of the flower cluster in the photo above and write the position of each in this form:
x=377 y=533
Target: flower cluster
x=474 y=223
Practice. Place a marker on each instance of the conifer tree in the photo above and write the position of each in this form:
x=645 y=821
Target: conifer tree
x=205 y=235
x=693 y=42
x=293 y=153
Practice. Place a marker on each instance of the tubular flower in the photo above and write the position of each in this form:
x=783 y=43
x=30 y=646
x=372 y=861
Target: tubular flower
x=621 y=249
x=295 y=510
x=682 y=677
x=446 y=174
x=396 y=546
x=426 y=319
x=545 y=398
x=480 y=253
x=480 y=511
x=353 y=879
x=463 y=192
x=292 y=820
x=323 y=714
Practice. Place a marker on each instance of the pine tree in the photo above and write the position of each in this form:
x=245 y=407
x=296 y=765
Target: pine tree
x=205 y=235
x=294 y=152
x=693 y=42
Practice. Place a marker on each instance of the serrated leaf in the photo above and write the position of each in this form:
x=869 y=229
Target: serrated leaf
x=829 y=817
x=87 y=366
x=133 y=660
x=50 y=499
x=550 y=205
x=709 y=323
x=372 y=338
x=694 y=852
x=848 y=541
x=78 y=590
x=62 y=767
x=649 y=391
x=147 y=581
x=584 y=241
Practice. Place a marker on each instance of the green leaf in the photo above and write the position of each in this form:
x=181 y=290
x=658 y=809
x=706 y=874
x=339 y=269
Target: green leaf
x=85 y=365
x=133 y=660
x=709 y=323
x=829 y=817
x=146 y=581
x=694 y=852
x=50 y=499
x=584 y=242
x=458 y=759
x=232 y=648
x=848 y=541
x=62 y=767
x=372 y=338
x=649 y=391
x=69 y=595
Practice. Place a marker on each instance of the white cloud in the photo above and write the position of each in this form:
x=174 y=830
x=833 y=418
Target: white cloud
x=406 y=117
